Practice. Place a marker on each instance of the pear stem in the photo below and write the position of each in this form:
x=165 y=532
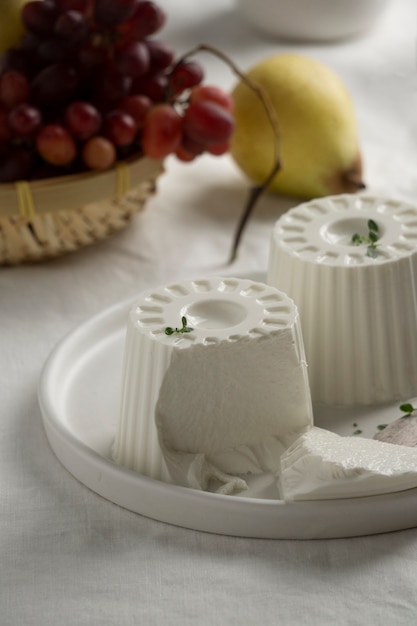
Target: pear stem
x=355 y=182
x=258 y=190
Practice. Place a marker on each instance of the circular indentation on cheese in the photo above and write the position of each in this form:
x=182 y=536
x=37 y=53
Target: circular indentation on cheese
x=329 y=224
x=340 y=231
x=215 y=314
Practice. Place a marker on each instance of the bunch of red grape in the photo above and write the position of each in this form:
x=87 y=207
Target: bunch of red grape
x=88 y=85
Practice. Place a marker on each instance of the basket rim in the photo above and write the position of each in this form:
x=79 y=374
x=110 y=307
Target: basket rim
x=29 y=198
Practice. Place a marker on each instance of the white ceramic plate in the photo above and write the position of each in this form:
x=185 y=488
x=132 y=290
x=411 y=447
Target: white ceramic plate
x=79 y=397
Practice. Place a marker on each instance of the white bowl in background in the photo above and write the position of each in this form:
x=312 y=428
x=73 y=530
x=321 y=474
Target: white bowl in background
x=313 y=20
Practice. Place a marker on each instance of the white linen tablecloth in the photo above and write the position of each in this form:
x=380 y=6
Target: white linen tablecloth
x=70 y=557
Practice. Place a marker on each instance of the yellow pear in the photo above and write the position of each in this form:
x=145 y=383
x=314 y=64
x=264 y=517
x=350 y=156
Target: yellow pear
x=11 y=27
x=316 y=120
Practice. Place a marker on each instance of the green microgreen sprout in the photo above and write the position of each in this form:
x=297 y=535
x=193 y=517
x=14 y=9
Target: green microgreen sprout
x=408 y=409
x=184 y=328
x=370 y=239
x=382 y=426
x=358 y=431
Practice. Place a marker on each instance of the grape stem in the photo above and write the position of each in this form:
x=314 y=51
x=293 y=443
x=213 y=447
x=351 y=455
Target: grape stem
x=257 y=190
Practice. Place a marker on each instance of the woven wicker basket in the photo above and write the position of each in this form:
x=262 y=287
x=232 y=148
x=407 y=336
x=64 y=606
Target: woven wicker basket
x=47 y=218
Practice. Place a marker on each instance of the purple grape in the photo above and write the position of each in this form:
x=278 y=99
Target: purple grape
x=54 y=86
x=39 y=16
x=133 y=59
x=161 y=55
x=25 y=120
x=110 y=12
x=16 y=165
x=71 y=28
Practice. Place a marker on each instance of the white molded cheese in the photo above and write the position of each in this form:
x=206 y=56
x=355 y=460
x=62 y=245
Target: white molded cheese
x=220 y=401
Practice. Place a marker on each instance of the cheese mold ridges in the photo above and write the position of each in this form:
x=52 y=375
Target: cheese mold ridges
x=204 y=407
x=358 y=312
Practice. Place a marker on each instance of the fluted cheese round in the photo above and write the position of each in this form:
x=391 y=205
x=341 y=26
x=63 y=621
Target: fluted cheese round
x=357 y=303
x=322 y=465
x=204 y=407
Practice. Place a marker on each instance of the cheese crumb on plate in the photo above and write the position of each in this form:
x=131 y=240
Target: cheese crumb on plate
x=322 y=465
